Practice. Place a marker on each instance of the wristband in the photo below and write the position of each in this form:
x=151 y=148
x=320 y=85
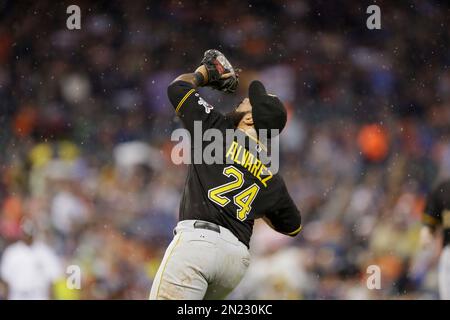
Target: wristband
x=199 y=78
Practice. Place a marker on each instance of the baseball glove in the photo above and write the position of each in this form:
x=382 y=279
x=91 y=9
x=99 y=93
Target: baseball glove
x=221 y=73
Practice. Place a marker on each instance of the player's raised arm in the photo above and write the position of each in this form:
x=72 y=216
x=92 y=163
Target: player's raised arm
x=196 y=79
x=216 y=72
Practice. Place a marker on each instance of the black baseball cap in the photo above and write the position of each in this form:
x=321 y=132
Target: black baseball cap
x=268 y=111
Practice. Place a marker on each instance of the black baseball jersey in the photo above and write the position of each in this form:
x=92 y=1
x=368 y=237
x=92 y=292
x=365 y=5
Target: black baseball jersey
x=437 y=209
x=238 y=190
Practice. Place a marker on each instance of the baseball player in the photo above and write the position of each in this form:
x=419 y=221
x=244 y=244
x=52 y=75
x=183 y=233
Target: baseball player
x=437 y=213
x=210 y=250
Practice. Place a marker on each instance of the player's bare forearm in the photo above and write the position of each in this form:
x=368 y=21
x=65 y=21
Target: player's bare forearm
x=198 y=78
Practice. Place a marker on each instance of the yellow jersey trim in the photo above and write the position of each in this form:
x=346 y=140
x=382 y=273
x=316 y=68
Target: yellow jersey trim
x=295 y=232
x=183 y=100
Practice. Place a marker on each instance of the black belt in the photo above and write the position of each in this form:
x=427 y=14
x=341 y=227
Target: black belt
x=206 y=225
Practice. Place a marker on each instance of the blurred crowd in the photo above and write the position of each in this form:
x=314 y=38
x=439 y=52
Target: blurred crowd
x=86 y=125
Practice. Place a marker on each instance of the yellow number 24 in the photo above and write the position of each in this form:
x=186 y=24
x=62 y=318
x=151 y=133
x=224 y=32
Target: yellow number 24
x=243 y=200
